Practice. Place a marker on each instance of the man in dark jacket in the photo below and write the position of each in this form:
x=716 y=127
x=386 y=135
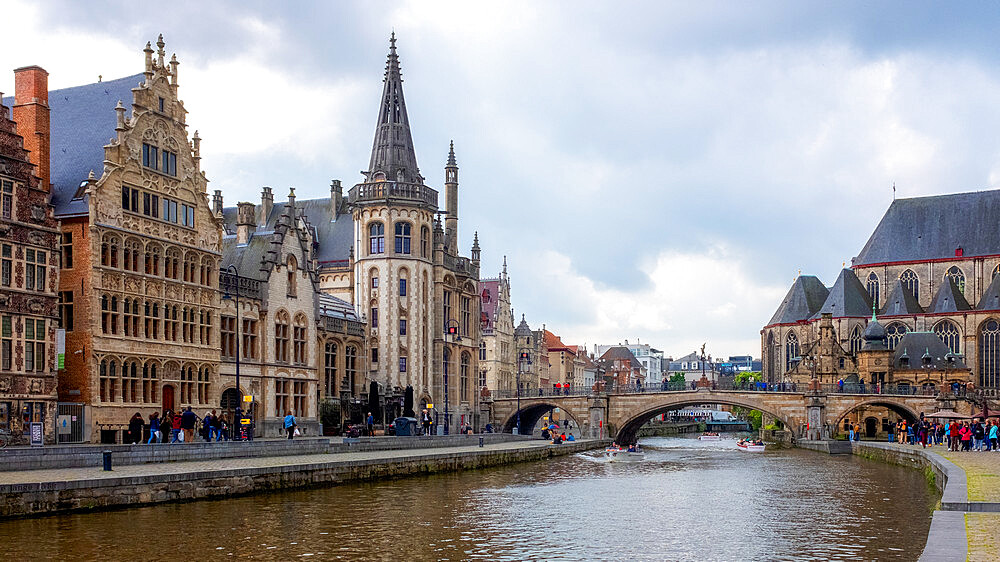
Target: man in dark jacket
x=188 y=419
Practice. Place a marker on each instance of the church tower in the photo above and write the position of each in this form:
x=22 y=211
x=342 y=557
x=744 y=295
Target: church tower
x=393 y=214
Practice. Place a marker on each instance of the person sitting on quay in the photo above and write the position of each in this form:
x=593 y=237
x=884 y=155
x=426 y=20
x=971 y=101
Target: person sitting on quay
x=290 y=424
x=571 y=438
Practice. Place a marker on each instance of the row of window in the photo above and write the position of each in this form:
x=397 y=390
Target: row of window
x=163 y=161
x=332 y=384
x=248 y=342
x=137 y=383
x=136 y=257
x=137 y=318
x=149 y=204
x=35 y=268
x=464 y=366
x=911 y=282
x=402 y=231
x=290 y=397
x=29 y=332
x=401 y=283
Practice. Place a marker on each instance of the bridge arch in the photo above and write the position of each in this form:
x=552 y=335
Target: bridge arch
x=631 y=422
x=533 y=411
x=903 y=410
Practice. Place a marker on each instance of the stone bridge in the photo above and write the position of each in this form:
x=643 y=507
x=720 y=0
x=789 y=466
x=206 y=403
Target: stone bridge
x=808 y=415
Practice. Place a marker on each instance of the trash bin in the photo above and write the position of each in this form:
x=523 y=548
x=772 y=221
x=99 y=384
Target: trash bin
x=405 y=426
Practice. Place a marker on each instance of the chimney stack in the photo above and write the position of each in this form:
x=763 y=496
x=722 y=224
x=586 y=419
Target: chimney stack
x=266 y=203
x=31 y=112
x=336 y=198
x=217 y=203
x=244 y=222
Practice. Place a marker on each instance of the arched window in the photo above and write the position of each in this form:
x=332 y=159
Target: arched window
x=293 y=268
x=956 y=275
x=149 y=382
x=351 y=368
x=791 y=351
x=463 y=375
x=152 y=259
x=856 y=338
x=191 y=267
x=330 y=369
x=402 y=238
x=130 y=381
x=132 y=250
x=873 y=289
x=376 y=238
x=299 y=332
x=948 y=332
x=893 y=333
x=281 y=337
x=204 y=375
x=910 y=281
x=989 y=354
x=109 y=251
x=172 y=263
x=425 y=242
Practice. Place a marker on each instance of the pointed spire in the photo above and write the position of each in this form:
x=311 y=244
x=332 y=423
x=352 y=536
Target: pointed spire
x=393 y=157
x=505 y=266
x=451 y=155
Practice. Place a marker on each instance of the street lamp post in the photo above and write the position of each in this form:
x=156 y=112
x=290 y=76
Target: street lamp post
x=451 y=328
x=238 y=422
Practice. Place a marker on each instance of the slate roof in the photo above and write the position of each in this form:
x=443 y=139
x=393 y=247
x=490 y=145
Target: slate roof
x=874 y=335
x=82 y=121
x=847 y=298
x=948 y=299
x=915 y=345
x=991 y=297
x=901 y=302
x=489 y=307
x=334 y=238
x=522 y=329
x=804 y=299
x=333 y=307
x=923 y=228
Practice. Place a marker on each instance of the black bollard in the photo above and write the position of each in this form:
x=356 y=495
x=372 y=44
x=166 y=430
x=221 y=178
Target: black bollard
x=107 y=460
x=480 y=440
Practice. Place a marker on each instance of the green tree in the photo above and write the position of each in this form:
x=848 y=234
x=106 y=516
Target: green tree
x=747 y=377
x=677 y=377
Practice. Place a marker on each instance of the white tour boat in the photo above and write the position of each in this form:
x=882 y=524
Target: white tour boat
x=750 y=447
x=623 y=455
x=709 y=437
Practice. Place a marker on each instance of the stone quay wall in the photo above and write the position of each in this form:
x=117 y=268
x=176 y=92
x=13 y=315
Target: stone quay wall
x=19 y=500
x=76 y=456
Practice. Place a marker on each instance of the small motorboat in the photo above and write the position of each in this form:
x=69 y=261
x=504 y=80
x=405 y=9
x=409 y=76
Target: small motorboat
x=709 y=436
x=616 y=454
x=750 y=446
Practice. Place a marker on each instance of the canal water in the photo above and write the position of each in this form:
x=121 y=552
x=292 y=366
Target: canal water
x=688 y=500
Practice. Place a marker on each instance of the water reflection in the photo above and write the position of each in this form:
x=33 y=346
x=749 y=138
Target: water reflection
x=687 y=500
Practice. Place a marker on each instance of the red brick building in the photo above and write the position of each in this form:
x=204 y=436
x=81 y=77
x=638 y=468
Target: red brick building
x=29 y=262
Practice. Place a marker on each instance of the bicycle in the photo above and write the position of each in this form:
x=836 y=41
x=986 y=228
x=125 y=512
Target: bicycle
x=4 y=438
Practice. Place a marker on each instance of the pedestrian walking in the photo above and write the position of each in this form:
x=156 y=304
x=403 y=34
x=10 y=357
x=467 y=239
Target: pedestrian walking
x=993 y=436
x=135 y=426
x=425 y=420
x=215 y=427
x=175 y=431
x=370 y=422
x=154 y=428
x=166 y=425
x=188 y=421
x=290 y=424
x=226 y=424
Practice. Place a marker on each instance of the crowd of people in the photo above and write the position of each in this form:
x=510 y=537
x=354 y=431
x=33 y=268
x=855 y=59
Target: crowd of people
x=956 y=435
x=180 y=427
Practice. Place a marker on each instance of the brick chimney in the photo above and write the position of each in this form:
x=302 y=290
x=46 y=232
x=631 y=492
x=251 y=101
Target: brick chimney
x=244 y=222
x=31 y=112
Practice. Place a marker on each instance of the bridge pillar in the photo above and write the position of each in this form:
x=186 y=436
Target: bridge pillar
x=816 y=425
x=598 y=415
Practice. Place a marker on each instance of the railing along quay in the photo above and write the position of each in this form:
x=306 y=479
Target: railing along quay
x=846 y=388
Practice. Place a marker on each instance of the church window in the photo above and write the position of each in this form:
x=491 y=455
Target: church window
x=330 y=369
x=911 y=283
x=893 y=334
x=376 y=238
x=873 y=289
x=791 y=351
x=402 y=238
x=956 y=275
x=292 y=265
x=989 y=354
x=7 y=198
x=425 y=236
x=948 y=332
x=856 y=340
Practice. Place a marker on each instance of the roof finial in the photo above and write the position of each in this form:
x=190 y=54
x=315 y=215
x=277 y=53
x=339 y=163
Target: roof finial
x=159 y=50
x=873 y=311
x=451 y=154
x=505 y=265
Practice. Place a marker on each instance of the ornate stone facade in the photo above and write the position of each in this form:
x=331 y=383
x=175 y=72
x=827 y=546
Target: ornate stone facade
x=29 y=256
x=146 y=252
x=497 y=351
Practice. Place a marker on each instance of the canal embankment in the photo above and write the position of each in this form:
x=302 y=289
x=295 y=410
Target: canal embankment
x=955 y=525
x=55 y=490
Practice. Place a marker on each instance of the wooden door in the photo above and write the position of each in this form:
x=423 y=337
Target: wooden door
x=168 y=397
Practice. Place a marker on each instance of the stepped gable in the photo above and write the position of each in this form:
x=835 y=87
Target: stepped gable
x=925 y=350
x=901 y=302
x=847 y=299
x=991 y=297
x=82 y=120
x=924 y=228
x=804 y=299
x=948 y=299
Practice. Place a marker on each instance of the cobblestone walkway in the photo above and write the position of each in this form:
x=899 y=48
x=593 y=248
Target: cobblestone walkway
x=982 y=530
x=982 y=470
x=72 y=474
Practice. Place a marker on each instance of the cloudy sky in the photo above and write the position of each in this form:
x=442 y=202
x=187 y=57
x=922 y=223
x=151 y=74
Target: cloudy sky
x=655 y=171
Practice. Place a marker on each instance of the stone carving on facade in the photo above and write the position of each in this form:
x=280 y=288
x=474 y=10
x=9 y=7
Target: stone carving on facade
x=110 y=281
x=36 y=386
x=36 y=306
